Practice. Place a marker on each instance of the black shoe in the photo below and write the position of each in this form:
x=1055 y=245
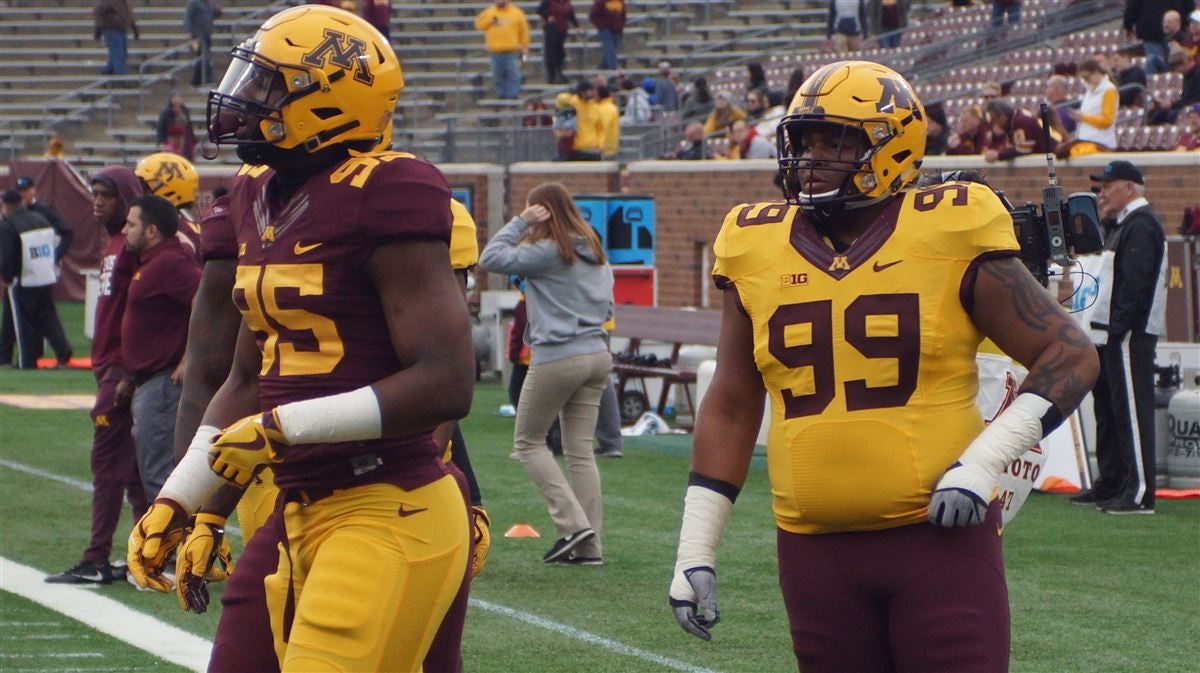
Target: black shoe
x=1087 y=499
x=564 y=545
x=1122 y=506
x=84 y=573
x=575 y=560
x=613 y=452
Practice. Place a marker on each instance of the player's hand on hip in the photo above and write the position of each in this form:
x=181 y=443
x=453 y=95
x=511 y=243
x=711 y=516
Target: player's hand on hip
x=154 y=537
x=481 y=525
x=961 y=497
x=204 y=557
x=240 y=451
x=694 y=600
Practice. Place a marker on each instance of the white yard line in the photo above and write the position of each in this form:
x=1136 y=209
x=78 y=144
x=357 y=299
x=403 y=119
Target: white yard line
x=107 y=616
x=528 y=618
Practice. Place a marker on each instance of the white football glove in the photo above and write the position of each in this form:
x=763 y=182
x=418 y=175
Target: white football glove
x=693 y=592
x=960 y=498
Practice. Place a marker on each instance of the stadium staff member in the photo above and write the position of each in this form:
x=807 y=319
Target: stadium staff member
x=154 y=331
x=343 y=403
x=883 y=473
x=1130 y=314
x=29 y=271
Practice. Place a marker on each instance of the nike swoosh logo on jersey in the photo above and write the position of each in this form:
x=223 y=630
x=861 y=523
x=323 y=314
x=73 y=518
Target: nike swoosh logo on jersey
x=300 y=248
x=409 y=512
x=881 y=267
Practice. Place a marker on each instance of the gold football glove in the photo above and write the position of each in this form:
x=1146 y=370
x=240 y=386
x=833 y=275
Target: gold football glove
x=204 y=557
x=153 y=539
x=481 y=527
x=240 y=451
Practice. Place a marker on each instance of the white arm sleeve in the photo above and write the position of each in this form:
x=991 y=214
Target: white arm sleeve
x=193 y=482
x=346 y=417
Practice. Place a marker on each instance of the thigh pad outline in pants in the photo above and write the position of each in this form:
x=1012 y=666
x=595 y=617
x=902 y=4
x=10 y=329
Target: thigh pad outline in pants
x=370 y=586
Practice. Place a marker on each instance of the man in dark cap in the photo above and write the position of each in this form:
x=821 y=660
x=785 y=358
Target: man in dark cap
x=1128 y=317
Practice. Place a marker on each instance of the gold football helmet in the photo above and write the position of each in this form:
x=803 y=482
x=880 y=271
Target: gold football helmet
x=311 y=77
x=170 y=176
x=860 y=100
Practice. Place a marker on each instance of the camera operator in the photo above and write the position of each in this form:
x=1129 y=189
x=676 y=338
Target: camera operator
x=1129 y=315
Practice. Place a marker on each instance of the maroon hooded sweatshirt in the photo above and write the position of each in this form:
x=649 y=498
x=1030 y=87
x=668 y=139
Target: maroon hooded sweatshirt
x=116 y=267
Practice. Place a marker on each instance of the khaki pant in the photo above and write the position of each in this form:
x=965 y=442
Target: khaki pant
x=569 y=389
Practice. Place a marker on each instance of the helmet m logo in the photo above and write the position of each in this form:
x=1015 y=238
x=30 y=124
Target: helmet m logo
x=894 y=95
x=167 y=171
x=345 y=51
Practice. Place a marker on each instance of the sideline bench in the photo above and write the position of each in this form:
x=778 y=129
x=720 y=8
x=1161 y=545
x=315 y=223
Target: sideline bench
x=673 y=326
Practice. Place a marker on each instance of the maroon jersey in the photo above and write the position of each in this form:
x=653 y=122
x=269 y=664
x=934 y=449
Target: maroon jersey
x=189 y=234
x=116 y=268
x=217 y=238
x=157 y=308
x=304 y=290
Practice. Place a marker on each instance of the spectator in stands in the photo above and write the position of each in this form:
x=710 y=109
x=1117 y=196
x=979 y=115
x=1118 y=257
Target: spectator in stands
x=589 y=133
x=154 y=332
x=971 y=135
x=990 y=90
x=535 y=114
x=1143 y=20
x=568 y=291
x=937 y=130
x=723 y=114
x=1056 y=97
x=1097 y=113
x=846 y=24
x=608 y=16
x=198 y=18
x=1191 y=41
x=378 y=13
x=1172 y=25
x=55 y=147
x=637 y=104
x=756 y=78
x=888 y=19
x=1003 y=8
x=113 y=19
x=745 y=143
x=1166 y=111
x=1131 y=79
x=693 y=147
x=558 y=17
x=1189 y=137
x=666 y=96
x=698 y=102
x=564 y=127
x=794 y=81
x=764 y=116
x=174 y=132
x=1018 y=131
x=506 y=34
x=610 y=122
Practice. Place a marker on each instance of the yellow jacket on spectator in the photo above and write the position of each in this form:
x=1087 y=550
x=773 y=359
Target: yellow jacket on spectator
x=505 y=29
x=610 y=126
x=589 y=134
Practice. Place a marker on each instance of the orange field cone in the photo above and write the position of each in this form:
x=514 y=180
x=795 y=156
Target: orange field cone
x=521 y=530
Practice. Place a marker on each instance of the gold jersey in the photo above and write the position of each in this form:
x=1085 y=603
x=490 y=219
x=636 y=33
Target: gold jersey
x=867 y=355
x=464 y=246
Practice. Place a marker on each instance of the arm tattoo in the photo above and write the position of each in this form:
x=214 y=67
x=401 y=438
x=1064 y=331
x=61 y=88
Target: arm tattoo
x=1054 y=375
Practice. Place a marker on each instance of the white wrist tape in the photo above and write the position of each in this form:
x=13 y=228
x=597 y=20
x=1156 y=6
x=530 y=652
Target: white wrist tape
x=704 y=515
x=346 y=417
x=1016 y=430
x=193 y=482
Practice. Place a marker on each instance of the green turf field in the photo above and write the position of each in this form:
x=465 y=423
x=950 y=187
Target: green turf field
x=1089 y=592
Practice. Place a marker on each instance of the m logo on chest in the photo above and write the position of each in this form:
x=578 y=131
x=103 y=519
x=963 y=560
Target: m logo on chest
x=343 y=51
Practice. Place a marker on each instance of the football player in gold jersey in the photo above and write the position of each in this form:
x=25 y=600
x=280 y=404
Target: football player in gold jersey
x=857 y=306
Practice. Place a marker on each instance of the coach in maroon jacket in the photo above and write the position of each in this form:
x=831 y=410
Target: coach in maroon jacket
x=154 y=331
x=114 y=468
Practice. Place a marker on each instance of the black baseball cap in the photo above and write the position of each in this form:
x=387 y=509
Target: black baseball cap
x=1120 y=170
x=12 y=197
x=24 y=182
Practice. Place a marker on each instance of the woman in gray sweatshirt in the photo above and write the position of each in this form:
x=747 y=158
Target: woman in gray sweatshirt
x=568 y=295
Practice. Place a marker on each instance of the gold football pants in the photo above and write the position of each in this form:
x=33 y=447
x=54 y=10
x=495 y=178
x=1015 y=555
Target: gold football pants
x=371 y=571
x=257 y=503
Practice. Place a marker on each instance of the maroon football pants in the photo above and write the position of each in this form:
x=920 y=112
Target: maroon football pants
x=243 y=642
x=917 y=598
x=114 y=466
